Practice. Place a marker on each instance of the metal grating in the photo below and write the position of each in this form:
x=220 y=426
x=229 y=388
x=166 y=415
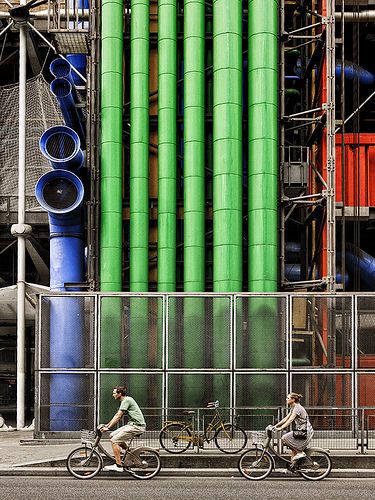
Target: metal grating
x=164 y=349
x=146 y=388
x=131 y=332
x=261 y=326
x=82 y=346
x=260 y=389
x=72 y=411
x=71 y=43
x=324 y=389
x=366 y=328
x=199 y=332
x=322 y=332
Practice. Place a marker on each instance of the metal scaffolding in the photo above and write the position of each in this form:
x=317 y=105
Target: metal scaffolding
x=64 y=28
x=308 y=175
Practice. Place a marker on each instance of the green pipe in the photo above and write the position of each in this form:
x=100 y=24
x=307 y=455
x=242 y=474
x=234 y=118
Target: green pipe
x=262 y=195
x=292 y=93
x=139 y=144
x=167 y=142
x=194 y=195
x=107 y=381
x=263 y=136
x=227 y=137
x=111 y=146
x=194 y=144
x=139 y=153
x=110 y=332
x=111 y=179
x=209 y=104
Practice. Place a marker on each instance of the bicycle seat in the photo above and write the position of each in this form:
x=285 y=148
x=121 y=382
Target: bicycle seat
x=213 y=404
x=188 y=412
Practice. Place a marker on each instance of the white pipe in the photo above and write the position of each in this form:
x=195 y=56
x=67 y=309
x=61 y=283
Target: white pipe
x=83 y=14
x=364 y=16
x=21 y=237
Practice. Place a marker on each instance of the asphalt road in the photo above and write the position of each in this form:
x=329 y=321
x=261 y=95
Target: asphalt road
x=176 y=488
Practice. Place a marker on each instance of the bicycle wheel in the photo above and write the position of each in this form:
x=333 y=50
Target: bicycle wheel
x=209 y=433
x=253 y=466
x=230 y=438
x=149 y=467
x=175 y=438
x=84 y=463
x=315 y=466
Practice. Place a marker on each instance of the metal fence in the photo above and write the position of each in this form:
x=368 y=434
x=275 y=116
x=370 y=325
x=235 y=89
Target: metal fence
x=341 y=429
x=246 y=350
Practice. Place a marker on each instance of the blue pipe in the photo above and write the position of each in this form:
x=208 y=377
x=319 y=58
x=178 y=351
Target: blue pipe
x=62 y=148
x=62 y=89
x=352 y=71
x=293 y=250
x=358 y=259
x=293 y=273
x=61 y=193
x=60 y=68
x=78 y=61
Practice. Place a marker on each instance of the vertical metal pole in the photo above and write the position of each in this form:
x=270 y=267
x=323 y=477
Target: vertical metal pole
x=343 y=186
x=20 y=236
x=331 y=147
x=282 y=142
x=331 y=178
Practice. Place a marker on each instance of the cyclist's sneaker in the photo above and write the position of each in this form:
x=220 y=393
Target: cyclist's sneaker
x=114 y=468
x=299 y=455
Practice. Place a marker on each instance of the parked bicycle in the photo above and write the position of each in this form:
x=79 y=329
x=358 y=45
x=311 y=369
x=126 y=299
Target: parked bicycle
x=177 y=436
x=86 y=461
x=257 y=463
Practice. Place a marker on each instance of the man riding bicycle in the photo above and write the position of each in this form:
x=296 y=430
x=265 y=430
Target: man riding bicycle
x=135 y=427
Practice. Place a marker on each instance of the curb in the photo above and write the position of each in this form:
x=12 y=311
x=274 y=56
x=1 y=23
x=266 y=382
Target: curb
x=170 y=472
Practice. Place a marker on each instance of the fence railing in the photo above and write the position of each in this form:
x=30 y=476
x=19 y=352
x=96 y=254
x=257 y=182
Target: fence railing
x=68 y=16
x=341 y=429
x=248 y=350
x=334 y=429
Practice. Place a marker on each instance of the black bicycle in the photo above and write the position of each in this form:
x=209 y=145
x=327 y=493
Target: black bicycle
x=257 y=463
x=86 y=461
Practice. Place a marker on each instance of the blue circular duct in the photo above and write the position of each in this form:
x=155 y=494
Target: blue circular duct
x=62 y=148
x=61 y=87
x=59 y=192
x=60 y=68
x=65 y=94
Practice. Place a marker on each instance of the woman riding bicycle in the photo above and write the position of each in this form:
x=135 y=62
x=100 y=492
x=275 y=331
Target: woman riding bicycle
x=299 y=438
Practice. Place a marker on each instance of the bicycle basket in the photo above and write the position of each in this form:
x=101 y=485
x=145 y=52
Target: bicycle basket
x=87 y=436
x=258 y=437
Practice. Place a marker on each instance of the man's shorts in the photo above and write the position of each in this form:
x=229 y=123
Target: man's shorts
x=126 y=433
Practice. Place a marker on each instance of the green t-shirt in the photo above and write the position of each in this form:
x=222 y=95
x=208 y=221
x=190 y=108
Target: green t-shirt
x=134 y=412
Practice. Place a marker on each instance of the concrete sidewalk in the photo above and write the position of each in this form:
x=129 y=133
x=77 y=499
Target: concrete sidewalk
x=21 y=455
